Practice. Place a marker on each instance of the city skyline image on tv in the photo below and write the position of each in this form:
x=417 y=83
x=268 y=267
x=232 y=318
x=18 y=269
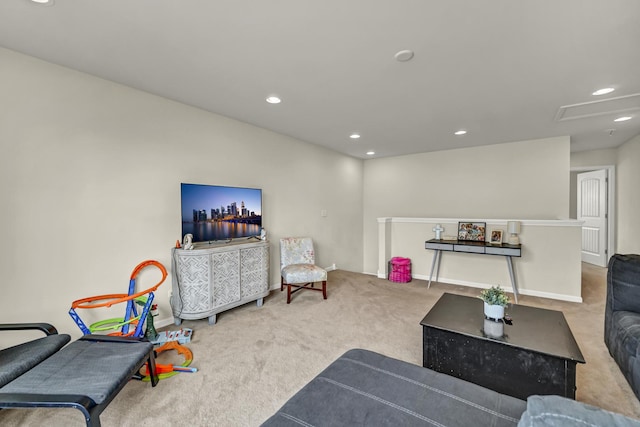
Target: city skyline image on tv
x=212 y=212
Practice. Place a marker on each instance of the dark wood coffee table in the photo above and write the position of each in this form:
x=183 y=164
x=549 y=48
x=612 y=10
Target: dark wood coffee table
x=536 y=354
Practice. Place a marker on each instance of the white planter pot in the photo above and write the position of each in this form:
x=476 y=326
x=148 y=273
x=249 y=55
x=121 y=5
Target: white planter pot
x=494 y=311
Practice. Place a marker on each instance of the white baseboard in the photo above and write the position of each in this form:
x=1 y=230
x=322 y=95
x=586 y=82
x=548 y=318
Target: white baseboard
x=561 y=297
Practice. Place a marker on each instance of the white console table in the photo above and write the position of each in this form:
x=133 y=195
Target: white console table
x=214 y=278
x=473 y=247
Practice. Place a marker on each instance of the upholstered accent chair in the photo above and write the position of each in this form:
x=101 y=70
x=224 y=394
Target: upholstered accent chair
x=297 y=267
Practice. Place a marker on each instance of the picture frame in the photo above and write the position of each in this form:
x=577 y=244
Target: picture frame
x=472 y=231
x=496 y=237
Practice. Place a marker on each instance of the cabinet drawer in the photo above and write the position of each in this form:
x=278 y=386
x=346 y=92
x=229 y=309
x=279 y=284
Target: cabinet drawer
x=503 y=251
x=438 y=246
x=474 y=249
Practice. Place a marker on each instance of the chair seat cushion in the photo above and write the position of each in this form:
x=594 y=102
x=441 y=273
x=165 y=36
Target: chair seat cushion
x=16 y=360
x=303 y=273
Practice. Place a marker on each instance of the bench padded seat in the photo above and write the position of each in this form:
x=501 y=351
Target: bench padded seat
x=86 y=375
x=16 y=360
x=90 y=368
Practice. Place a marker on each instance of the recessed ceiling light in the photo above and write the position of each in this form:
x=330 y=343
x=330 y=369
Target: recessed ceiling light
x=460 y=132
x=354 y=135
x=43 y=2
x=370 y=153
x=603 y=91
x=404 y=55
x=623 y=119
x=273 y=99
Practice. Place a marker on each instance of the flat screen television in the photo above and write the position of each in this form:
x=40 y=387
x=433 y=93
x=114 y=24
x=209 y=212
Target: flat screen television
x=214 y=213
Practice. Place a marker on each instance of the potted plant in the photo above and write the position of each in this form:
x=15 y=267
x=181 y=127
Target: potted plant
x=495 y=300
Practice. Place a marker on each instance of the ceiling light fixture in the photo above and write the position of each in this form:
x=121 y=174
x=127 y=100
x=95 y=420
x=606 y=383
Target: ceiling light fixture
x=370 y=153
x=460 y=132
x=404 y=55
x=43 y=2
x=603 y=91
x=623 y=119
x=354 y=135
x=273 y=99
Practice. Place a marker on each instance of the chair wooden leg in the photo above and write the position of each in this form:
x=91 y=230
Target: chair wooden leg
x=281 y=283
x=324 y=289
x=288 y=293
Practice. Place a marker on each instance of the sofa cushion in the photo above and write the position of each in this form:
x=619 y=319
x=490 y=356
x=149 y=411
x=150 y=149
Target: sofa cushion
x=363 y=388
x=556 y=411
x=16 y=360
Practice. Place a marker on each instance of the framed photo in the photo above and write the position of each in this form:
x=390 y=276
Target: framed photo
x=472 y=231
x=496 y=237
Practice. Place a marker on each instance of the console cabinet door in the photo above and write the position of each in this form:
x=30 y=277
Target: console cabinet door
x=254 y=267
x=194 y=291
x=225 y=277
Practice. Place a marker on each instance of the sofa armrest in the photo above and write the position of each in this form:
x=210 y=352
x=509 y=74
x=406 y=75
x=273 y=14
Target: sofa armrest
x=557 y=411
x=47 y=328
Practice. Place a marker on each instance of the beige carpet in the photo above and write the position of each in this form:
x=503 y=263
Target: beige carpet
x=254 y=358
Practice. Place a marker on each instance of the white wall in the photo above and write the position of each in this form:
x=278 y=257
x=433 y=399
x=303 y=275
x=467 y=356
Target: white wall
x=519 y=180
x=628 y=208
x=90 y=175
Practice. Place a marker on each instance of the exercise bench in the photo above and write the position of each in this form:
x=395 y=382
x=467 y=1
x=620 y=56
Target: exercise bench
x=86 y=374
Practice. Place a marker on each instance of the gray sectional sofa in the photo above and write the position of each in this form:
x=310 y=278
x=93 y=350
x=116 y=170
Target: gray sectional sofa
x=622 y=316
x=364 y=388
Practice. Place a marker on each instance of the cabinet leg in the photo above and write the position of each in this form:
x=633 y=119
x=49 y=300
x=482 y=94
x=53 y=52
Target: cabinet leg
x=212 y=320
x=177 y=321
x=259 y=302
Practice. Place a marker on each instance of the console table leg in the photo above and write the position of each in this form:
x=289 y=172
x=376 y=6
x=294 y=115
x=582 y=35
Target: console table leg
x=513 y=278
x=433 y=264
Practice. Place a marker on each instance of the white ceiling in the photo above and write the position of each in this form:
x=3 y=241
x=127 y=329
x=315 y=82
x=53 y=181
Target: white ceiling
x=501 y=69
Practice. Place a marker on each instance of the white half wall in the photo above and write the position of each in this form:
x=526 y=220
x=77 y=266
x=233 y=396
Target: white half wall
x=549 y=267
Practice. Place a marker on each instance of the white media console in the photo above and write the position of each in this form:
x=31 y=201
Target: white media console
x=214 y=278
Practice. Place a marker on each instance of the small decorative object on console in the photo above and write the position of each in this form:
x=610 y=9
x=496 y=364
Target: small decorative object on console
x=513 y=227
x=496 y=237
x=438 y=230
x=472 y=231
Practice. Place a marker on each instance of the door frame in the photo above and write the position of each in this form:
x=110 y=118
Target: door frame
x=611 y=203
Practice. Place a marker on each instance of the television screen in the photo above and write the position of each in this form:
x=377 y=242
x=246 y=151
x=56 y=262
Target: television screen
x=212 y=212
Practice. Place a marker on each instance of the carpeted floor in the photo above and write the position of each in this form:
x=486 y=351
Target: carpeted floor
x=255 y=358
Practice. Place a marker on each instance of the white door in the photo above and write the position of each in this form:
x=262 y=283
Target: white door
x=592 y=209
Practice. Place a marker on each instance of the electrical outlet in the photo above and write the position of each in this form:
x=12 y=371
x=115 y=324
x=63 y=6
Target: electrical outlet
x=323 y=213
